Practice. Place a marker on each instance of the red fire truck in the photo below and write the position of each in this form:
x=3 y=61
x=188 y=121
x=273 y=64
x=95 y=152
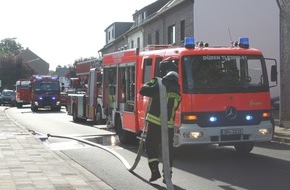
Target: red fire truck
x=45 y=92
x=85 y=100
x=23 y=92
x=225 y=92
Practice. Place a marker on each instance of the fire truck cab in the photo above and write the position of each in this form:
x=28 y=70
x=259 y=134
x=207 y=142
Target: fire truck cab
x=225 y=93
x=23 y=92
x=45 y=92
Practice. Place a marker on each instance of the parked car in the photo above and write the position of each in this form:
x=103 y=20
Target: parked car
x=8 y=97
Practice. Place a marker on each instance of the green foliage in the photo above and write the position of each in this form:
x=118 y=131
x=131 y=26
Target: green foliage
x=12 y=68
x=9 y=47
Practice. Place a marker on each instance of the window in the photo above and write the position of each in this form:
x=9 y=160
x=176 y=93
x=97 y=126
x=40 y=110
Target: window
x=132 y=43
x=149 y=39
x=111 y=81
x=182 y=30
x=144 y=15
x=157 y=37
x=171 y=34
x=113 y=33
x=157 y=62
x=147 y=70
x=138 y=42
x=223 y=73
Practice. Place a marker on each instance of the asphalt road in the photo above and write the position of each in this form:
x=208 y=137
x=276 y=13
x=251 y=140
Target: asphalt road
x=210 y=168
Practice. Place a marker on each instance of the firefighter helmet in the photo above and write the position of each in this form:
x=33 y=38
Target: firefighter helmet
x=172 y=76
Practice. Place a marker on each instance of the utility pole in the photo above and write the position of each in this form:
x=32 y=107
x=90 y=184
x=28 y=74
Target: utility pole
x=284 y=112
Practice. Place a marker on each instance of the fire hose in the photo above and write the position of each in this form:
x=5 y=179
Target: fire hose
x=164 y=141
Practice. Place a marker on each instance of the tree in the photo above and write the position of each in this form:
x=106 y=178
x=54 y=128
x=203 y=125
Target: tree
x=9 y=47
x=12 y=67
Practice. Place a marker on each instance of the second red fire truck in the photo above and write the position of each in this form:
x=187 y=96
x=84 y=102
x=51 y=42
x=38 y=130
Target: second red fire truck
x=225 y=93
x=45 y=92
x=85 y=97
x=23 y=92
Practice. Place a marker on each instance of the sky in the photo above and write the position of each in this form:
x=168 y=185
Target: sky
x=62 y=31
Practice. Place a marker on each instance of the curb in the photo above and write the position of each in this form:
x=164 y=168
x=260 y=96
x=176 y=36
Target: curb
x=280 y=139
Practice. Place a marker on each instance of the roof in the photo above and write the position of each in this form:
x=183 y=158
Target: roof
x=62 y=72
x=34 y=61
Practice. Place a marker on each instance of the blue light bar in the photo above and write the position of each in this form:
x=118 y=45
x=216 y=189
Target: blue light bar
x=38 y=78
x=189 y=42
x=54 y=77
x=53 y=98
x=244 y=42
x=40 y=98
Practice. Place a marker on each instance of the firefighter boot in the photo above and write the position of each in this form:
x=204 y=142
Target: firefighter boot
x=155 y=174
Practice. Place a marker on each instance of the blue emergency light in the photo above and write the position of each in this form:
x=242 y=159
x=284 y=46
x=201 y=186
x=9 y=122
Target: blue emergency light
x=38 y=78
x=213 y=119
x=244 y=42
x=54 y=77
x=189 y=42
x=249 y=117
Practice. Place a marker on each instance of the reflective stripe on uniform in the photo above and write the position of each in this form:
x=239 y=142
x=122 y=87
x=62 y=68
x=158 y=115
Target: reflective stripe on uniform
x=153 y=160
x=156 y=120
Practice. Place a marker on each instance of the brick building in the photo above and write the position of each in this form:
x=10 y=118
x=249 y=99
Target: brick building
x=34 y=61
x=162 y=22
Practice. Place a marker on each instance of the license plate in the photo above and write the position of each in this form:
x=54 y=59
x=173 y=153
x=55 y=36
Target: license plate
x=236 y=131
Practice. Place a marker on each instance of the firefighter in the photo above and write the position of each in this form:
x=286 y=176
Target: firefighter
x=169 y=75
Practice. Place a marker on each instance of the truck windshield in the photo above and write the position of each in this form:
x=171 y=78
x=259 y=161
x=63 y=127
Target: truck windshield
x=23 y=85
x=224 y=73
x=43 y=87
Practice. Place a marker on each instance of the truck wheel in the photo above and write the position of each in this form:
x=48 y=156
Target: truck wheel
x=18 y=105
x=34 y=108
x=244 y=148
x=125 y=137
x=57 y=108
x=75 y=116
x=98 y=117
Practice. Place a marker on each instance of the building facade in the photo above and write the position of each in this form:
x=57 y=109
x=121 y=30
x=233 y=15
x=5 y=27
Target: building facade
x=40 y=66
x=162 y=22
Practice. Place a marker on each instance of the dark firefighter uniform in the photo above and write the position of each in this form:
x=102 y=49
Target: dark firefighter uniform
x=153 y=138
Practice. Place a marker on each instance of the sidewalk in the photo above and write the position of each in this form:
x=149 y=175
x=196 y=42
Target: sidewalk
x=282 y=135
x=25 y=163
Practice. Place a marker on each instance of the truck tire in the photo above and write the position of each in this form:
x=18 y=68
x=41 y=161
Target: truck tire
x=56 y=108
x=18 y=105
x=125 y=137
x=75 y=114
x=34 y=108
x=99 y=117
x=244 y=148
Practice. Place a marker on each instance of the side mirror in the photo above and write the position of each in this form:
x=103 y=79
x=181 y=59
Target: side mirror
x=274 y=73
